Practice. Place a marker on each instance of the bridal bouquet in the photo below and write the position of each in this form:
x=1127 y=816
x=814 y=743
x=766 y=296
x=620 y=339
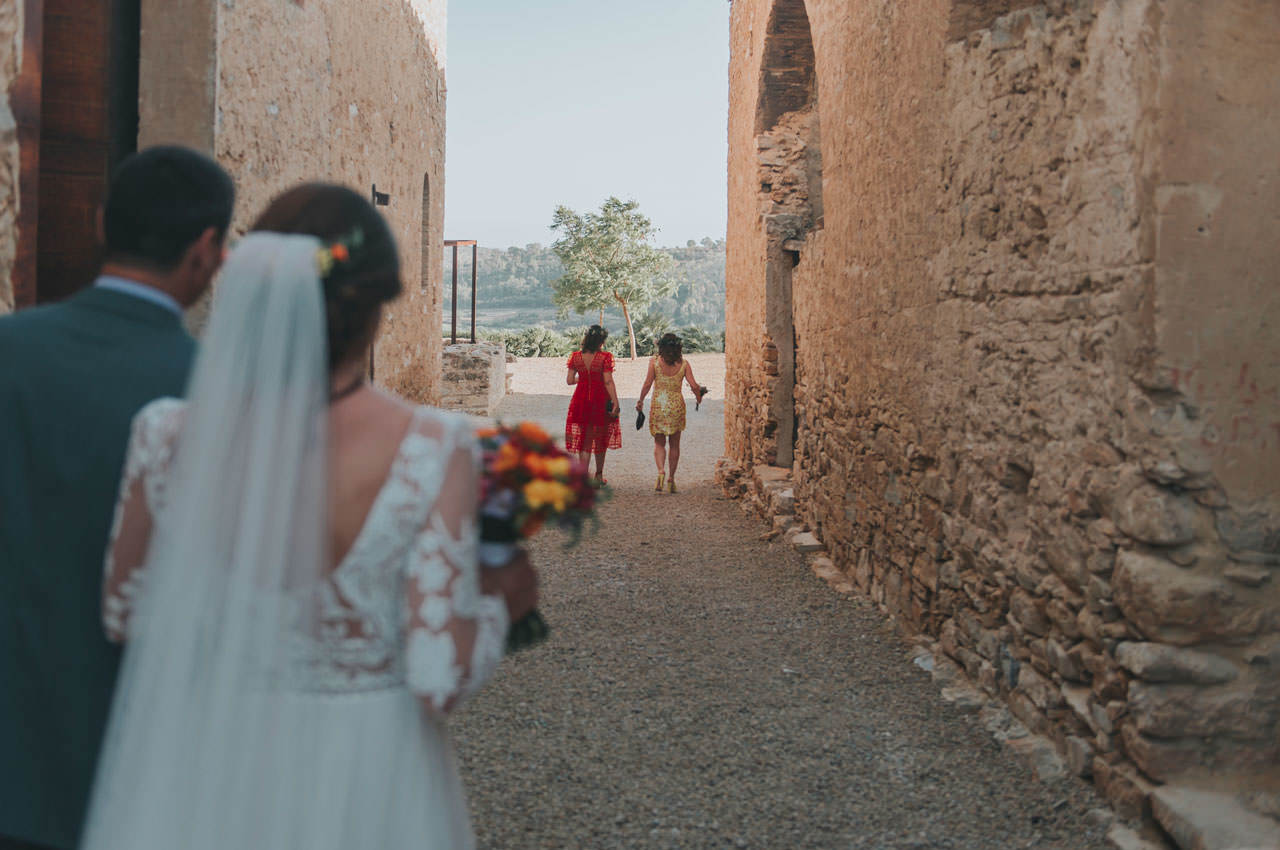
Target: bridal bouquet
x=528 y=481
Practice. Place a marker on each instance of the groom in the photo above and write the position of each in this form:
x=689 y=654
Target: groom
x=72 y=375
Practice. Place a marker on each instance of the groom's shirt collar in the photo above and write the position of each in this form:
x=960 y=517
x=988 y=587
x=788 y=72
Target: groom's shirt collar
x=139 y=290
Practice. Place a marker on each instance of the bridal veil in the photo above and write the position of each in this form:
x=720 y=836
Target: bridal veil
x=207 y=724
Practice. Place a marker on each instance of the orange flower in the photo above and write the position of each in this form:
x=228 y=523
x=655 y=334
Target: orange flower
x=532 y=433
x=486 y=433
x=508 y=459
x=340 y=253
x=537 y=465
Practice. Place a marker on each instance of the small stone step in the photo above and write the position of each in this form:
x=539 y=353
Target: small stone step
x=1122 y=837
x=1211 y=820
x=806 y=542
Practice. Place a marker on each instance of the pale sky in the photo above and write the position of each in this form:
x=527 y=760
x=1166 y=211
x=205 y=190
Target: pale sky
x=570 y=101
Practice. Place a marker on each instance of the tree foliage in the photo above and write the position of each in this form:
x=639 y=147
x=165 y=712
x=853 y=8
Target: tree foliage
x=515 y=288
x=608 y=260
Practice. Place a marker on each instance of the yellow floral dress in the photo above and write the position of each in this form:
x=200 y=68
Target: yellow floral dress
x=667 y=411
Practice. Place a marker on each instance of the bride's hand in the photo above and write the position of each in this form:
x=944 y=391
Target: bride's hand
x=516 y=583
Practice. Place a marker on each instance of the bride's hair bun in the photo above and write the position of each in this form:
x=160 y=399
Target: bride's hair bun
x=367 y=277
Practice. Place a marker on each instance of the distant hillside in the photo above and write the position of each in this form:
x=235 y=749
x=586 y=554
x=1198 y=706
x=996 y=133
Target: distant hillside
x=514 y=286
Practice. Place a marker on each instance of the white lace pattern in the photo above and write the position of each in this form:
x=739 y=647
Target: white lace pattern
x=403 y=608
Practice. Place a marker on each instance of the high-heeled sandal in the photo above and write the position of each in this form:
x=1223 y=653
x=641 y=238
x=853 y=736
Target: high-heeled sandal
x=671 y=486
x=662 y=476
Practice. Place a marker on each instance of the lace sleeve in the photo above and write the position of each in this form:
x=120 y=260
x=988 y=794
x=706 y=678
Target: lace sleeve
x=151 y=443
x=606 y=361
x=456 y=635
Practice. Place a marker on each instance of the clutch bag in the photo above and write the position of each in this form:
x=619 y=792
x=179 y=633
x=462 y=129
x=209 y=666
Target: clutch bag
x=639 y=419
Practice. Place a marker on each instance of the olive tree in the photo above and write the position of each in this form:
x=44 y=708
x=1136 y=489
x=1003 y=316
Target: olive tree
x=608 y=260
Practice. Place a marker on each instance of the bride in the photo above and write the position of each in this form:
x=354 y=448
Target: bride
x=293 y=565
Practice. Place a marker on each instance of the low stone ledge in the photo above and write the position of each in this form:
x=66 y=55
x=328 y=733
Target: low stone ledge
x=475 y=377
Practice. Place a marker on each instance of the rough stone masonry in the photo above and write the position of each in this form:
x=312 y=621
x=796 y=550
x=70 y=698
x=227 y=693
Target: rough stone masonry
x=1002 y=296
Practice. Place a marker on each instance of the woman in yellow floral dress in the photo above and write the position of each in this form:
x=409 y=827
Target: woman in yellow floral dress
x=667 y=374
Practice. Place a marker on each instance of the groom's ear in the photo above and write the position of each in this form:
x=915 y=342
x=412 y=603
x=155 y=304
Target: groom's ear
x=201 y=262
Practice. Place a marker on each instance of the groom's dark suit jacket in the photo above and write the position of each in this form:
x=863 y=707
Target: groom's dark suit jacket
x=72 y=376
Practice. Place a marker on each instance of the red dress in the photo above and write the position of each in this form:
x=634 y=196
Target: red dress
x=588 y=427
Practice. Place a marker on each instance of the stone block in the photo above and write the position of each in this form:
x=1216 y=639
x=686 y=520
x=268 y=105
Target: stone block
x=1067 y=666
x=1028 y=613
x=1155 y=515
x=1157 y=662
x=964 y=697
x=1211 y=820
x=1123 y=837
x=1174 y=711
x=784 y=501
x=807 y=541
x=1179 y=606
x=1079 y=756
x=1039 y=689
x=1080 y=700
x=1042 y=756
x=1126 y=789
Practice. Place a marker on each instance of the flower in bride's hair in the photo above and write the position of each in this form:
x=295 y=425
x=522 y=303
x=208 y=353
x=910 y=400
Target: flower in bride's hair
x=324 y=262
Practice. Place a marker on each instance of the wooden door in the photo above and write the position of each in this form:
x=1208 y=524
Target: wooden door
x=87 y=122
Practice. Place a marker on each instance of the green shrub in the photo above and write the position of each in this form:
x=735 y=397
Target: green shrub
x=697 y=339
x=533 y=342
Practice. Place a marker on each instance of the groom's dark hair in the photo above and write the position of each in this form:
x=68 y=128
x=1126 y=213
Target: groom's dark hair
x=160 y=200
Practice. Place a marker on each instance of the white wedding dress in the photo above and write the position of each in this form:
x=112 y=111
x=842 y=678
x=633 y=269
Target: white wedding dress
x=265 y=707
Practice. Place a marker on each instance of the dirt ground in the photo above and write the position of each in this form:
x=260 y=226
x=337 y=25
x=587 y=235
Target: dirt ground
x=702 y=689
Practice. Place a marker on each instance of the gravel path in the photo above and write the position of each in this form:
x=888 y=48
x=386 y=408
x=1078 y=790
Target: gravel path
x=703 y=689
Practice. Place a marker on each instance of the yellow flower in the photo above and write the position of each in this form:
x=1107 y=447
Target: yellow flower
x=541 y=493
x=559 y=467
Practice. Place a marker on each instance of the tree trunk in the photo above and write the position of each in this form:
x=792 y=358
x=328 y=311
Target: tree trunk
x=602 y=317
x=631 y=331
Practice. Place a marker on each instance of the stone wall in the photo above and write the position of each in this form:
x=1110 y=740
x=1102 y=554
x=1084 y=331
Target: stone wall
x=10 y=65
x=475 y=377
x=1035 y=400
x=351 y=92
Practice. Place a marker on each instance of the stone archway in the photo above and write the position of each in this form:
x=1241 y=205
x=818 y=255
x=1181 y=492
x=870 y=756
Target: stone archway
x=789 y=161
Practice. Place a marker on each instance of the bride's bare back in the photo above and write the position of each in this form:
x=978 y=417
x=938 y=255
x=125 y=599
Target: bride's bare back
x=365 y=433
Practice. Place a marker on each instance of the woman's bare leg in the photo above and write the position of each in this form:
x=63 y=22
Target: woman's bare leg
x=673 y=456
x=600 y=463
x=660 y=451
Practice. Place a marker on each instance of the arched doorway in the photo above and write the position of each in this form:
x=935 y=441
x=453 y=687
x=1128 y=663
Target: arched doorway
x=76 y=104
x=789 y=150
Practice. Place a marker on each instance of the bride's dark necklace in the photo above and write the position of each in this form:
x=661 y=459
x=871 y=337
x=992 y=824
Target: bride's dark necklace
x=350 y=389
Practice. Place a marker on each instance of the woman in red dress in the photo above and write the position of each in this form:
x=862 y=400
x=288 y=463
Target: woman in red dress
x=592 y=427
